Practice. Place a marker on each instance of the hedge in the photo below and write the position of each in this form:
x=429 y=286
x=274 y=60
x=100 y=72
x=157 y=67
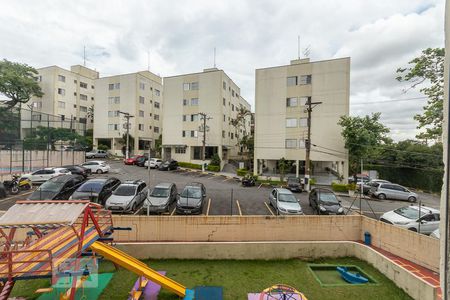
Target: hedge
x=213 y=168
x=190 y=165
x=241 y=172
x=343 y=188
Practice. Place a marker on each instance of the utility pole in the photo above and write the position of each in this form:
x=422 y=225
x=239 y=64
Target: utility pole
x=204 y=118
x=310 y=106
x=31 y=107
x=127 y=116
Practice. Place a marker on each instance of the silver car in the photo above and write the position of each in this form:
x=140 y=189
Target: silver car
x=128 y=196
x=285 y=202
x=394 y=191
x=160 y=198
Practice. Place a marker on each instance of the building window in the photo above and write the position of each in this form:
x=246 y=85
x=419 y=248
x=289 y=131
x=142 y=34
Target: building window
x=194 y=118
x=304 y=100
x=157 y=92
x=184 y=118
x=156 y=129
x=114 y=100
x=291 y=143
x=83 y=97
x=92 y=87
x=224 y=118
x=74 y=93
x=194 y=101
x=83 y=120
x=224 y=102
x=156 y=104
x=232 y=135
x=232 y=107
x=113 y=113
x=224 y=84
x=301 y=144
x=180 y=150
x=83 y=85
x=111 y=86
x=291 y=102
x=141 y=100
x=39 y=78
x=117 y=86
x=303 y=122
x=150 y=127
x=194 y=133
x=194 y=86
x=183 y=133
x=37 y=104
x=92 y=98
x=292 y=80
x=142 y=86
x=75 y=81
x=62 y=92
x=305 y=79
x=156 y=117
x=223 y=133
x=186 y=86
x=62 y=78
x=141 y=127
x=113 y=127
x=83 y=108
x=61 y=104
x=232 y=93
x=291 y=122
x=185 y=102
x=141 y=113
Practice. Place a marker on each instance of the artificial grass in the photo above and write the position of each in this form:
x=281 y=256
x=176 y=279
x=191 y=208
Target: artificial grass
x=239 y=278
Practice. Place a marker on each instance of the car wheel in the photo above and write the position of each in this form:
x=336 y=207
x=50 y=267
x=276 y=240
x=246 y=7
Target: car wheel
x=99 y=171
x=413 y=229
x=382 y=196
x=134 y=207
x=14 y=190
x=412 y=199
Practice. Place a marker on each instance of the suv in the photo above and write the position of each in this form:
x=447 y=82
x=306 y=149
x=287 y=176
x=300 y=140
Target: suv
x=325 y=202
x=412 y=217
x=285 y=202
x=97 y=154
x=394 y=191
x=161 y=197
x=294 y=184
x=128 y=196
x=192 y=199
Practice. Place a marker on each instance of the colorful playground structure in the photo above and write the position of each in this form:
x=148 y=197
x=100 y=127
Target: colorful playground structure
x=60 y=234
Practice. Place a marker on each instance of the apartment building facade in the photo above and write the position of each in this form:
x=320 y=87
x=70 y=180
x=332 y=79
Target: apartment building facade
x=281 y=123
x=138 y=94
x=186 y=97
x=68 y=95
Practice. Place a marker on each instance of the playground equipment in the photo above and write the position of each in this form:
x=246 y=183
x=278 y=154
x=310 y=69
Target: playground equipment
x=280 y=292
x=65 y=231
x=350 y=277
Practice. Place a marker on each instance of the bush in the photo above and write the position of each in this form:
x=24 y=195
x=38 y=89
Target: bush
x=338 y=187
x=190 y=165
x=102 y=147
x=213 y=168
x=241 y=172
x=312 y=181
x=215 y=160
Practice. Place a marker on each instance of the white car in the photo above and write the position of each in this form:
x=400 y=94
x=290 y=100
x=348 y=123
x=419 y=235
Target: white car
x=43 y=175
x=97 y=166
x=154 y=163
x=436 y=234
x=408 y=217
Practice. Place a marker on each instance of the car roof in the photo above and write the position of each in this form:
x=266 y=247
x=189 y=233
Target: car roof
x=98 y=180
x=322 y=190
x=64 y=178
x=164 y=185
x=433 y=210
x=283 y=191
x=97 y=161
x=194 y=184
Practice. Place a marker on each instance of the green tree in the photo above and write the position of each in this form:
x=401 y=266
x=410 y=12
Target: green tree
x=283 y=166
x=362 y=136
x=48 y=136
x=18 y=83
x=215 y=160
x=123 y=141
x=240 y=126
x=427 y=72
x=158 y=145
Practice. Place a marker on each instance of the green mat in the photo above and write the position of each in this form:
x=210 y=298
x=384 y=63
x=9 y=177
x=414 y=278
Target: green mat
x=89 y=292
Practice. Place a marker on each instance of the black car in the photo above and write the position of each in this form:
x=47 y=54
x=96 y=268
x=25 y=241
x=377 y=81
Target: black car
x=96 y=190
x=168 y=165
x=141 y=161
x=325 y=202
x=78 y=170
x=58 y=188
x=294 y=184
x=192 y=199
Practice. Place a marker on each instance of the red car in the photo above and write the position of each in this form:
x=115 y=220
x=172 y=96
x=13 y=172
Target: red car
x=131 y=160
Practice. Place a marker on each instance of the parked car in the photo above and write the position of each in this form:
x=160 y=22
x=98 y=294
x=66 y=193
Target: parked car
x=294 y=184
x=168 y=165
x=325 y=202
x=284 y=202
x=131 y=160
x=78 y=170
x=58 y=188
x=359 y=178
x=127 y=197
x=97 y=154
x=154 y=163
x=140 y=162
x=192 y=199
x=96 y=190
x=43 y=175
x=436 y=234
x=367 y=186
x=393 y=191
x=409 y=217
x=97 y=166
x=160 y=198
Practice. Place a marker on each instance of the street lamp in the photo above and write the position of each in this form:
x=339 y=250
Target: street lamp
x=127 y=116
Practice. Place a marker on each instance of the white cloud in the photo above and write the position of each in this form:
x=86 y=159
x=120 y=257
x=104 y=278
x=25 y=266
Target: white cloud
x=180 y=36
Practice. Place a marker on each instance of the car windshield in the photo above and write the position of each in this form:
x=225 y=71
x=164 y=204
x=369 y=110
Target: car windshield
x=293 y=180
x=287 y=198
x=327 y=197
x=160 y=192
x=125 y=190
x=191 y=193
x=409 y=212
x=51 y=186
x=95 y=187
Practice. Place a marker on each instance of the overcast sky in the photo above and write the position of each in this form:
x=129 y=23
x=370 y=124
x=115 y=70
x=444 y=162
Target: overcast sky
x=378 y=35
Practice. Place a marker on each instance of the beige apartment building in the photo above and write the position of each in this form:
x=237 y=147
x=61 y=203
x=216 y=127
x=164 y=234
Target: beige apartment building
x=186 y=96
x=68 y=95
x=281 y=117
x=140 y=95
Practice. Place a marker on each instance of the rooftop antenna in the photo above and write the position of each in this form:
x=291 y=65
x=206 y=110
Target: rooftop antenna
x=84 y=56
x=214 y=57
x=298 y=46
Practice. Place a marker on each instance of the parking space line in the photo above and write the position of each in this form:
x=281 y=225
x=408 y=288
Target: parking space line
x=15 y=196
x=173 y=211
x=269 y=209
x=227 y=179
x=209 y=205
x=239 y=207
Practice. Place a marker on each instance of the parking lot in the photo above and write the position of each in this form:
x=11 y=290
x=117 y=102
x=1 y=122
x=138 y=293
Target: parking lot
x=226 y=196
